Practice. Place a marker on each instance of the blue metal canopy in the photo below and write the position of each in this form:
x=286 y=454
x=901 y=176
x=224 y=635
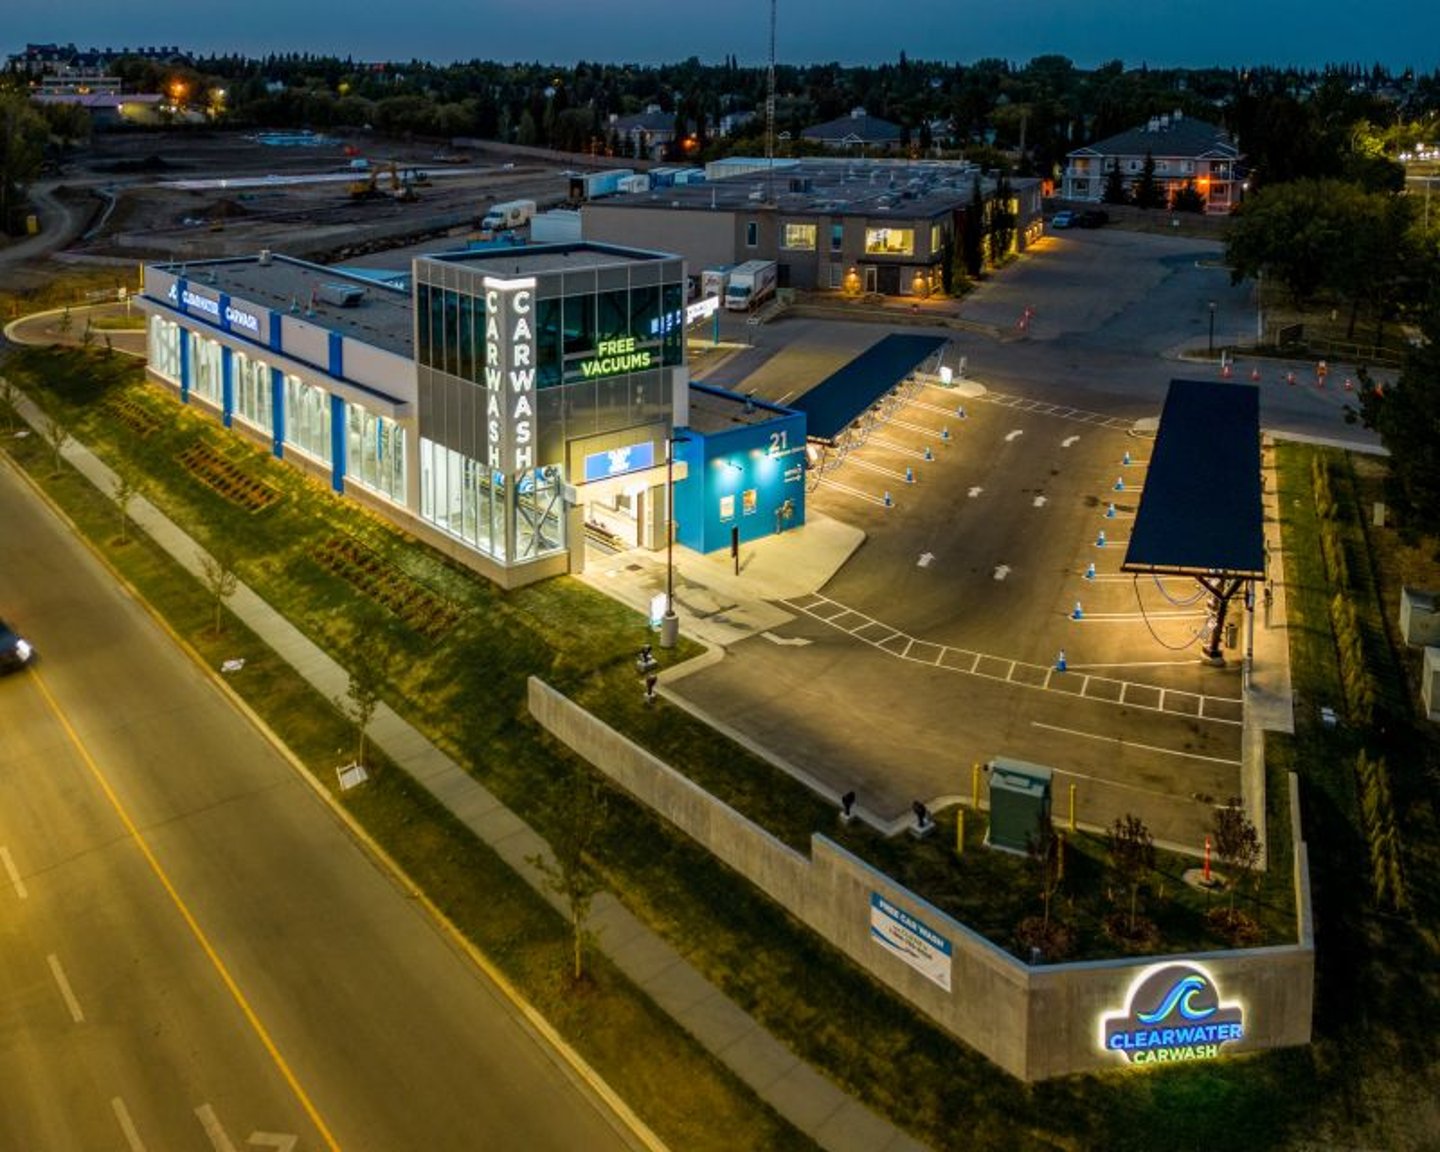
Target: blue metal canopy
x=833 y=404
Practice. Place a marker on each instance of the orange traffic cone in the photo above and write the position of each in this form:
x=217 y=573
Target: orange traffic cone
x=1348 y=386
x=1255 y=375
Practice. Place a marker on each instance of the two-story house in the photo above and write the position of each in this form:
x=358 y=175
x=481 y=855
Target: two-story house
x=1184 y=151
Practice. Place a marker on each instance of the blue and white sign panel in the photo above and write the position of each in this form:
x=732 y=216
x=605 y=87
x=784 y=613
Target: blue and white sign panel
x=910 y=940
x=618 y=461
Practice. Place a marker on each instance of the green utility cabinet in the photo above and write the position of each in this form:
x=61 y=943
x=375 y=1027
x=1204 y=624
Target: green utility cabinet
x=1019 y=800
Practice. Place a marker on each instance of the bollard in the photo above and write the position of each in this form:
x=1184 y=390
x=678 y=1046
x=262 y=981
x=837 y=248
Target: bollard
x=1060 y=661
x=945 y=433
x=1126 y=458
x=929 y=455
x=1077 y=613
x=975 y=785
x=909 y=475
x=1119 y=484
x=888 y=501
x=1090 y=571
x=1072 y=807
x=1100 y=540
x=1110 y=511
x=959 y=831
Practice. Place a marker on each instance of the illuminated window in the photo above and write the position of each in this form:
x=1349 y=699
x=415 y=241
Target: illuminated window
x=798 y=236
x=890 y=241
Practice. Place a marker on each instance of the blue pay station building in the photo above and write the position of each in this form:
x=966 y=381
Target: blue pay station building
x=745 y=470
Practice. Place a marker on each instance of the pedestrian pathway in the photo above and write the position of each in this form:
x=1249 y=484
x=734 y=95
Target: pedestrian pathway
x=809 y=1101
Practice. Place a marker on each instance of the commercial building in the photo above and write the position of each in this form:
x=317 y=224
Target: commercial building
x=854 y=226
x=495 y=406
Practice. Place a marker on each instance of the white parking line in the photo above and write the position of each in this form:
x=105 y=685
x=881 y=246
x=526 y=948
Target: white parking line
x=12 y=873
x=211 y=1123
x=1133 y=744
x=127 y=1126
x=826 y=482
x=66 y=994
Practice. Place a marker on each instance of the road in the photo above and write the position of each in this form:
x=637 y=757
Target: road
x=195 y=953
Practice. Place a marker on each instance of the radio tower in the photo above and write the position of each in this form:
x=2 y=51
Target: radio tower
x=770 y=114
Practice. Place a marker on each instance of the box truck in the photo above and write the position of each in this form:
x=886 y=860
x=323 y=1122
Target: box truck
x=751 y=284
x=511 y=214
x=715 y=279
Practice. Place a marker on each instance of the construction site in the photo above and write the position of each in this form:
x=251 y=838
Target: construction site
x=194 y=196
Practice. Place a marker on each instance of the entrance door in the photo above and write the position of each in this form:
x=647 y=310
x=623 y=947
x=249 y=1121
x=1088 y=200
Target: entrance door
x=871 y=279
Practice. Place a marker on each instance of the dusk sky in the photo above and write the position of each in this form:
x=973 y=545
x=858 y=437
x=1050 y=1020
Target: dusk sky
x=1160 y=33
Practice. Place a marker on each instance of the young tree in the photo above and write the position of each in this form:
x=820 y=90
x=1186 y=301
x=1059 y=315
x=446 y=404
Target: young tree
x=369 y=666
x=1132 y=857
x=123 y=489
x=1148 y=193
x=9 y=398
x=1046 y=851
x=578 y=805
x=1237 y=846
x=57 y=436
x=1188 y=199
x=220 y=578
x=1115 y=191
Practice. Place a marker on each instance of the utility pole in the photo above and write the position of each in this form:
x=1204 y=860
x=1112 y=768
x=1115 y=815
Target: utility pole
x=770 y=114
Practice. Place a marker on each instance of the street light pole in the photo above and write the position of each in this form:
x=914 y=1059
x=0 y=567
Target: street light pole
x=670 y=622
x=1212 y=328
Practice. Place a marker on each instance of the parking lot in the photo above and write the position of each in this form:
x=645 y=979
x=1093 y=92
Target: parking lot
x=986 y=614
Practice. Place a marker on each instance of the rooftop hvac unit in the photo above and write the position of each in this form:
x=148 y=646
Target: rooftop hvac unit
x=341 y=295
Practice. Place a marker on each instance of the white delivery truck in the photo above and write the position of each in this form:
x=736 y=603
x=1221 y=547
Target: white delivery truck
x=511 y=214
x=751 y=284
x=715 y=279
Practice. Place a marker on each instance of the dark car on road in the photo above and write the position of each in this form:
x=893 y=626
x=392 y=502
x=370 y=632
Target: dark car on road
x=1092 y=218
x=15 y=650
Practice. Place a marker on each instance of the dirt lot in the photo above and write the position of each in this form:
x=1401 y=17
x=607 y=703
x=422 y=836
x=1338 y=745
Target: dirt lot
x=157 y=196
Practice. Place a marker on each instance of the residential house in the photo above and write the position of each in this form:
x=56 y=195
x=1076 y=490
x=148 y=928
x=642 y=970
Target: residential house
x=1184 y=150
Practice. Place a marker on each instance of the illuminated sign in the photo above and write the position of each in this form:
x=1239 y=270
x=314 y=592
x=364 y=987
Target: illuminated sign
x=194 y=301
x=618 y=461
x=702 y=308
x=238 y=318
x=509 y=375
x=910 y=940
x=612 y=356
x=1173 y=1013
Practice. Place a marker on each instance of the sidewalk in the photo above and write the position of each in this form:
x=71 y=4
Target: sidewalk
x=803 y=1096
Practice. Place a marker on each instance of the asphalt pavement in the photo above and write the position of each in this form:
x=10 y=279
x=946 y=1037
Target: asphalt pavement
x=807 y=1099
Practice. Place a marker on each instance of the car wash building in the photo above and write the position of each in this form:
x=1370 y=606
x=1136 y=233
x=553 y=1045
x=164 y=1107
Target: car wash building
x=495 y=406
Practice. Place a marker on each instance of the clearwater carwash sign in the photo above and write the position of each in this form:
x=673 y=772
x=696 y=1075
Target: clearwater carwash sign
x=1173 y=1013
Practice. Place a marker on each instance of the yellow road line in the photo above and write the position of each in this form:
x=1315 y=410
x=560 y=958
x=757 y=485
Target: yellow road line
x=194 y=925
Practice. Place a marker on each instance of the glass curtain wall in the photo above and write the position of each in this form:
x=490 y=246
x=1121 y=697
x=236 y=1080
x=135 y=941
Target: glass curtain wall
x=375 y=453
x=459 y=496
x=307 y=418
x=164 y=340
x=252 y=392
x=205 y=368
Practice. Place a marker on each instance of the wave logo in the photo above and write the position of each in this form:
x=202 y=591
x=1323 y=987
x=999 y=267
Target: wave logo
x=1173 y=1013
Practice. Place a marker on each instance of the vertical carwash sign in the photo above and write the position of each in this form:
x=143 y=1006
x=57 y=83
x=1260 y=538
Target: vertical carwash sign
x=510 y=375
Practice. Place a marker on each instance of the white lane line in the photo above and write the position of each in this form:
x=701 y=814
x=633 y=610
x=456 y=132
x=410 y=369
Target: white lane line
x=127 y=1126
x=69 y=996
x=1132 y=744
x=211 y=1123
x=14 y=875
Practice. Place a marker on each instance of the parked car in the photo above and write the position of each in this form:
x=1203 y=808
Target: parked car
x=1062 y=219
x=15 y=650
x=1092 y=218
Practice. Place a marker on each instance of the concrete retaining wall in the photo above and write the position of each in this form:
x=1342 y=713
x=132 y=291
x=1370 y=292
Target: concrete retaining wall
x=1034 y=1022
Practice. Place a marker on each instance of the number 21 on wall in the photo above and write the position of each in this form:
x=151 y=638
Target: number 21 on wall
x=779 y=442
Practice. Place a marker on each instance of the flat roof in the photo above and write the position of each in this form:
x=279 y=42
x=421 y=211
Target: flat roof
x=383 y=317
x=535 y=259
x=714 y=410
x=1200 y=509
x=825 y=186
x=834 y=403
